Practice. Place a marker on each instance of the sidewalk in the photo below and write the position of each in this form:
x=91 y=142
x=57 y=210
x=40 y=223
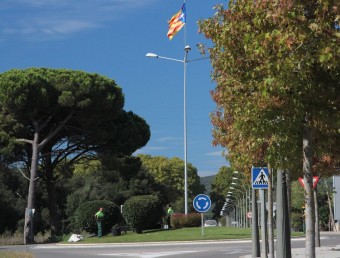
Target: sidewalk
x=320 y=252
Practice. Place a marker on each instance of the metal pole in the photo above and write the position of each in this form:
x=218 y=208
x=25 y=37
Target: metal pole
x=240 y=213
x=202 y=224
x=283 y=246
x=235 y=217
x=243 y=211
x=250 y=205
x=317 y=224
x=264 y=249
x=184 y=61
x=186 y=49
x=255 y=227
x=247 y=208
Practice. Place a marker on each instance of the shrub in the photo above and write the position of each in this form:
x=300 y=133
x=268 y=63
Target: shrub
x=84 y=219
x=180 y=220
x=296 y=221
x=142 y=212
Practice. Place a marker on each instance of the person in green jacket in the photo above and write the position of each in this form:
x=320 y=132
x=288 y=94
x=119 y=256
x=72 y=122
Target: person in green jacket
x=99 y=217
x=169 y=212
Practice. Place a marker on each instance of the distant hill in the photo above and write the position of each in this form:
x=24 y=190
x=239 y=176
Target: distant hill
x=206 y=181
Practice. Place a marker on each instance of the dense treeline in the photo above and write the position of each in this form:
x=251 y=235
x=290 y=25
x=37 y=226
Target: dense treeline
x=277 y=72
x=65 y=139
x=113 y=179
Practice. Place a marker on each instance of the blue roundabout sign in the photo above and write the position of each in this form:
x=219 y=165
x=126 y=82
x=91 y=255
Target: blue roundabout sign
x=202 y=203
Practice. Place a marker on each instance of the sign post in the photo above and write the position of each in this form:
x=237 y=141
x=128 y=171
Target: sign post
x=202 y=203
x=260 y=181
x=283 y=246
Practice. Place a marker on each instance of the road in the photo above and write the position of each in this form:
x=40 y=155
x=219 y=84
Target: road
x=197 y=249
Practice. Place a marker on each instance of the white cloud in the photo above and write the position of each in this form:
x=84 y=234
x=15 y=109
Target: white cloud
x=148 y=150
x=214 y=153
x=52 y=18
x=169 y=139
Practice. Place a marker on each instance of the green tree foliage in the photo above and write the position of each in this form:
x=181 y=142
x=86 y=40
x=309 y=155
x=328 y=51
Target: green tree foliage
x=12 y=199
x=170 y=173
x=325 y=200
x=277 y=68
x=59 y=116
x=84 y=219
x=115 y=179
x=297 y=204
x=265 y=62
x=142 y=212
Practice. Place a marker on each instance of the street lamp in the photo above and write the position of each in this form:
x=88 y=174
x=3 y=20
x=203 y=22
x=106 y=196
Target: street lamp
x=247 y=188
x=184 y=61
x=243 y=204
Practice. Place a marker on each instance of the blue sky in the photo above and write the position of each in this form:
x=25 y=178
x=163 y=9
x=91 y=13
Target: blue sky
x=111 y=38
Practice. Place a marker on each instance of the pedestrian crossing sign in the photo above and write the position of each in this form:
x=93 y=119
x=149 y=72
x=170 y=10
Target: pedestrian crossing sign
x=260 y=178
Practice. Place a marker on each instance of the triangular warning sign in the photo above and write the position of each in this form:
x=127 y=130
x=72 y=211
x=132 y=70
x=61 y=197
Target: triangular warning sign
x=261 y=179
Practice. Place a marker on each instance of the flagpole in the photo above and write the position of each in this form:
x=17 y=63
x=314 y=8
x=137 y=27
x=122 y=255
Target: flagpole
x=185 y=27
x=177 y=22
x=186 y=51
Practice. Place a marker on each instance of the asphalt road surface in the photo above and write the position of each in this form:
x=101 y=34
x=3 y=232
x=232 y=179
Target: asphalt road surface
x=197 y=249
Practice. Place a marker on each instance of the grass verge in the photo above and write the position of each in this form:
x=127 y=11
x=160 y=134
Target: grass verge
x=184 y=234
x=15 y=255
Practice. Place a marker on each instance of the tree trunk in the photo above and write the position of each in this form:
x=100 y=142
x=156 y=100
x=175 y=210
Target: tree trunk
x=331 y=217
x=36 y=147
x=317 y=227
x=289 y=194
x=270 y=213
x=309 y=198
x=53 y=208
x=28 y=226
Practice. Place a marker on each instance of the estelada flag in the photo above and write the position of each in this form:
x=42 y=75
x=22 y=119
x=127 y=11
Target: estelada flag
x=177 y=22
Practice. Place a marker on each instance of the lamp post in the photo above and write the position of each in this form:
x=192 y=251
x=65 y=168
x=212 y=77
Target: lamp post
x=242 y=206
x=247 y=198
x=228 y=207
x=184 y=61
x=247 y=188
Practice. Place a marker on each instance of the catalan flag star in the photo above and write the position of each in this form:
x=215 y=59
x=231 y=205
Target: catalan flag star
x=177 y=22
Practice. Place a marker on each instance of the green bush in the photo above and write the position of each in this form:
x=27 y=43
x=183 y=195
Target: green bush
x=296 y=221
x=84 y=219
x=142 y=212
x=180 y=220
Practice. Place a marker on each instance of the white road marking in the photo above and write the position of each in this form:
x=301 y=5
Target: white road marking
x=148 y=255
x=238 y=251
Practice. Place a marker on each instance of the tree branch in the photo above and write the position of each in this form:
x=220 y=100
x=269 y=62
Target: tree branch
x=24 y=140
x=25 y=175
x=56 y=130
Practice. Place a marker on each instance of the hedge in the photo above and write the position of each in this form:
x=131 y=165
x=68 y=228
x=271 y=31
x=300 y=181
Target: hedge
x=142 y=212
x=180 y=220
